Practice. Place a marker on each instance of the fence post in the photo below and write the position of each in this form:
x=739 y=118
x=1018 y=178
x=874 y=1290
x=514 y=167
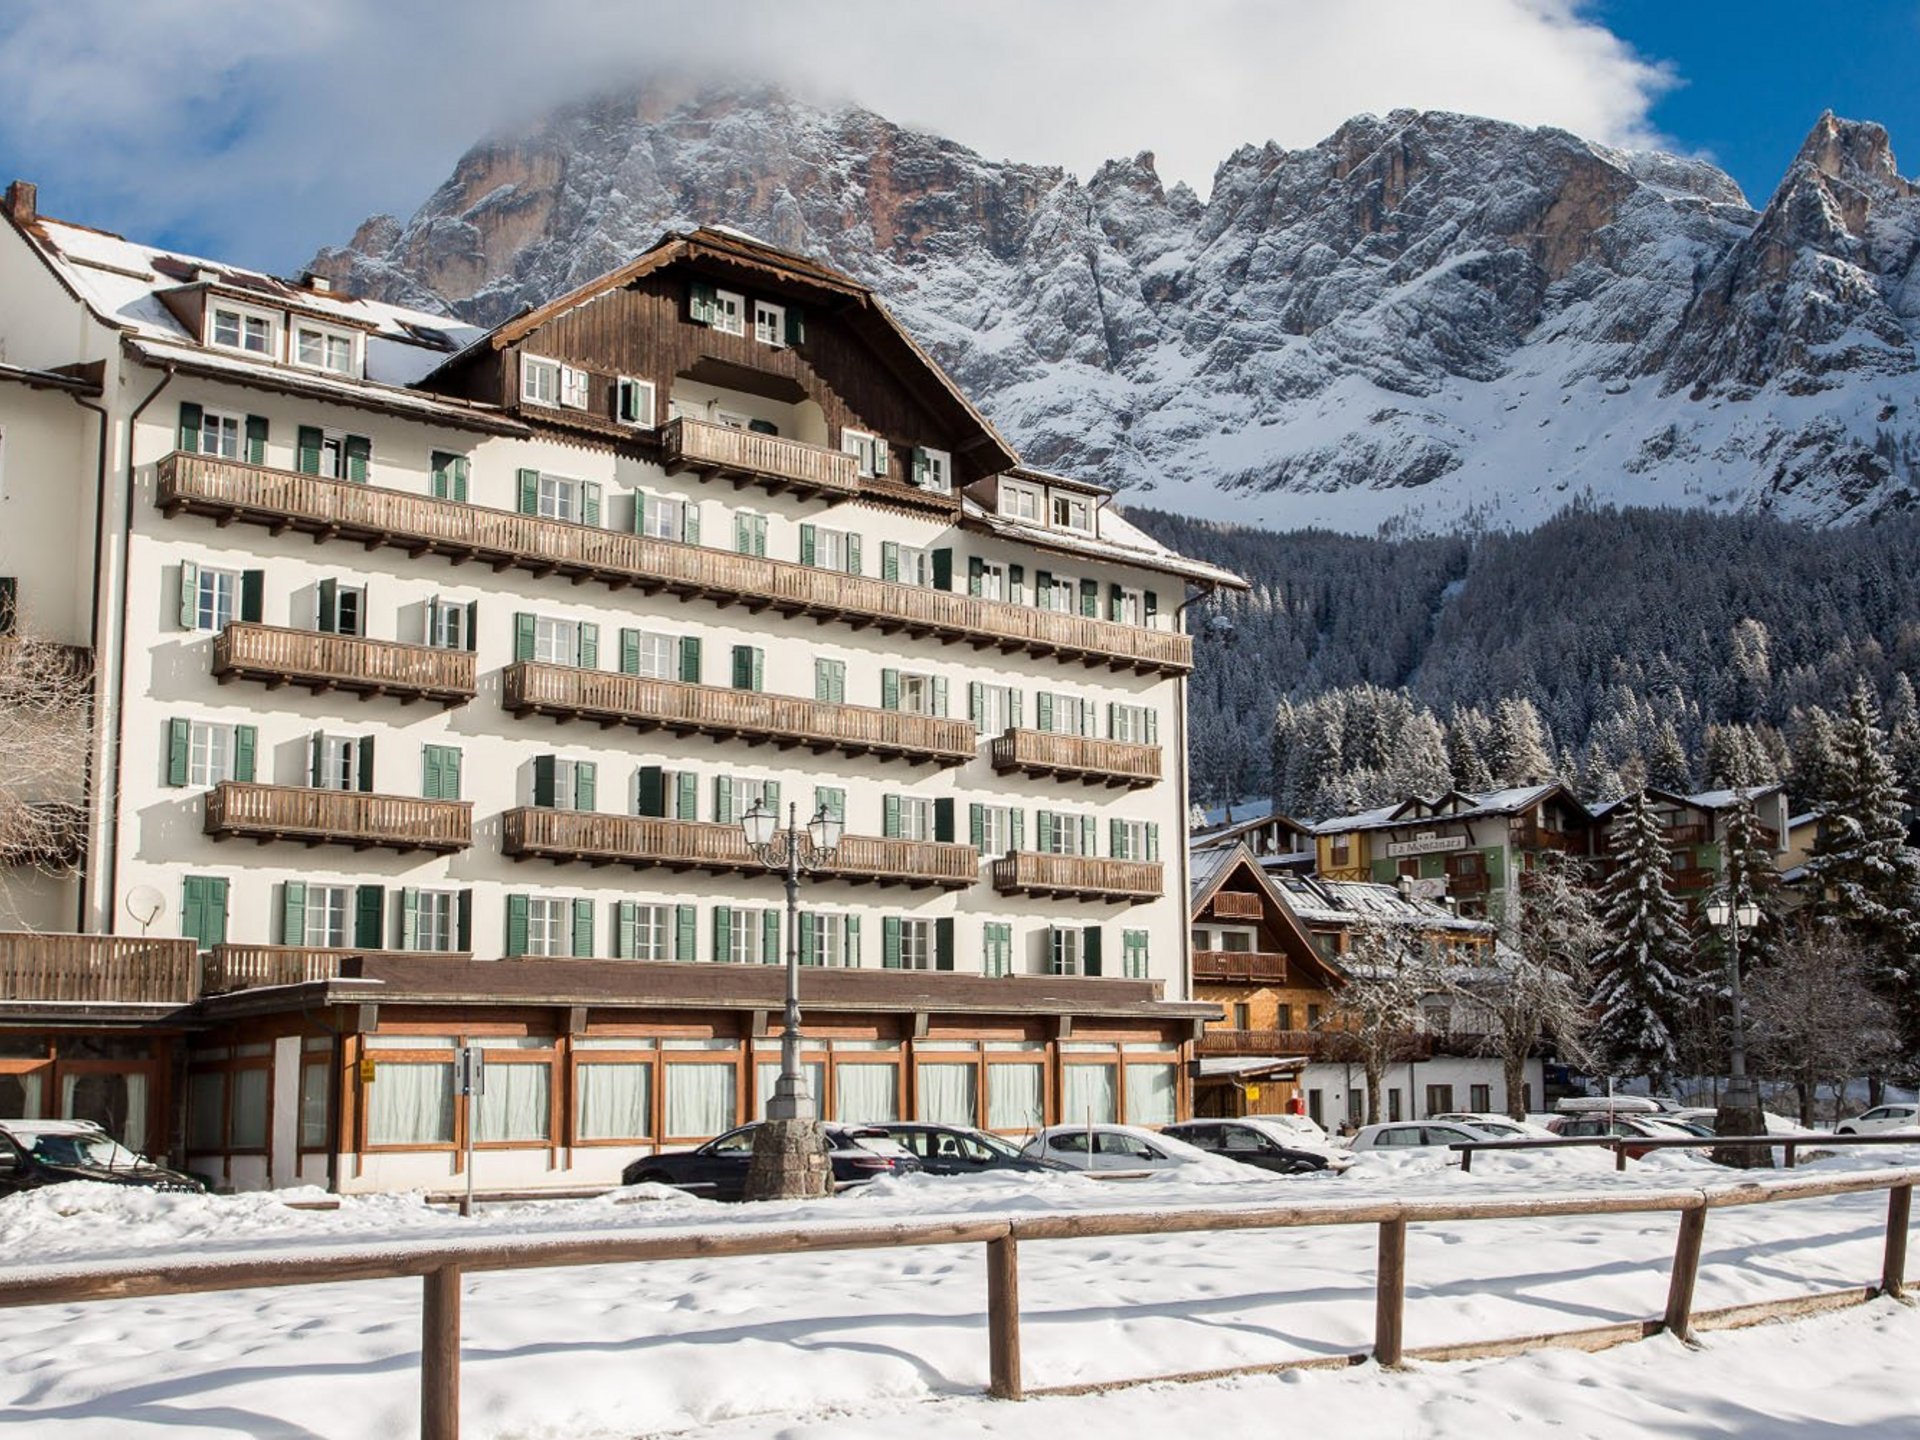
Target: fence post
x=1893 y=1270
x=1466 y=1159
x=1003 y=1319
x=1390 y=1292
x=1619 y=1155
x=1792 y=1151
x=1686 y=1269
x=440 y=1356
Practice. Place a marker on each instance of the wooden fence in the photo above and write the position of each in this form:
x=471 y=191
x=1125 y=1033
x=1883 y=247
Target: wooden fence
x=441 y=1265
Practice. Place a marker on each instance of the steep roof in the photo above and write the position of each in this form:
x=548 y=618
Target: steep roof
x=1119 y=541
x=1345 y=902
x=1452 y=805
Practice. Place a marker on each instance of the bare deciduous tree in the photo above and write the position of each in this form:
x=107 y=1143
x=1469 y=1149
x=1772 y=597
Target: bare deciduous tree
x=45 y=731
x=1390 y=973
x=1816 y=1015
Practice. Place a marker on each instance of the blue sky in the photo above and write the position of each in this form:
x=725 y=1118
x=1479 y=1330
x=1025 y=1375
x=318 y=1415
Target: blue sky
x=259 y=130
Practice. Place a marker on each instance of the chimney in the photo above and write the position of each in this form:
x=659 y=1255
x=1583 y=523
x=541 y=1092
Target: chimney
x=319 y=284
x=22 y=202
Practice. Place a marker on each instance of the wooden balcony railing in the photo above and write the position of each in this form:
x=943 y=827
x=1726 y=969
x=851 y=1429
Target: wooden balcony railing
x=1532 y=837
x=1691 y=833
x=419 y=524
x=84 y=969
x=1078 y=877
x=1077 y=757
x=1322 y=1045
x=1692 y=879
x=338 y=817
x=1238 y=905
x=781 y=720
x=249 y=967
x=319 y=661
x=750 y=457
x=1473 y=884
x=640 y=841
x=1248 y=965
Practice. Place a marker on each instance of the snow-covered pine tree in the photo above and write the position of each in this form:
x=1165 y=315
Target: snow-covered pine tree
x=1519 y=751
x=1667 y=767
x=1816 y=759
x=1643 y=975
x=1903 y=737
x=1469 y=733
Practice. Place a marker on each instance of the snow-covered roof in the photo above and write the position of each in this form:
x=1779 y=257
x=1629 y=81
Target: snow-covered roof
x=1727 y=799
x=1472 y=804
x=1119 y=541
x=1212 y=1066
x=1204 y=866
x=1343 y=902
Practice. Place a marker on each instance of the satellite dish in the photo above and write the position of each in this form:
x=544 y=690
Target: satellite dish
x=146 y=905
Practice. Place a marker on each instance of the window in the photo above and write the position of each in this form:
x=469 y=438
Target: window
x=1063 y=950
x=634 y=402
x=615 y=1100
x=1340 y=852
x=1129 y=607
x=1063 y=714
x=1133 y=954
x=1136 y=723
x=750 y=533
x=1242 y=1015
x=642 y=652
x=559 y=499
x=1138 y=840
x=992 y=578
x=342 y=762
x=1393 y=1113
x=340 y=609
x=996 y=957
x=996 y=829
x=830 y=549
x=1479 y=1099
x=769 y=323
x=211 y=752
x=327 y=909
x=830 y=681
x=450 y=625
x=933 y=470
x=575 y=388
x=216 y=594
x=323 y=350
x=556 y=642
x=440 y=772
x=436 y=920
x=1057 y=592
x=1313 y=1017
x=1062 y=834
x=869 y=450
x=549 y=926
x=237 y=329
x=332 y=454
x=913 y=816
x=735 y=795
x=539 y=380
x=316 y=1104
x=666 y=794
x=916 y=945
x=911 y=565
x=1234 y=942
x=662 y=517
x=993 y=708
x=830 y=940
x=921 y=694
x=1283 y=1017
x=560 y=784
x=652 y=932
x=1071 y=512
x=749 y=937
x=1019 y=502
x=220 y=435
x=729 y=313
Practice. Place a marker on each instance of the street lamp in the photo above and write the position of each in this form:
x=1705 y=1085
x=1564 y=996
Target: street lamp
x=789 y=1151
x=1739 y=1112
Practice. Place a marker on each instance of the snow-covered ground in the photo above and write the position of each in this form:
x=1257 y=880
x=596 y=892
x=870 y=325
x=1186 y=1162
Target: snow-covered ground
x=884 y=1341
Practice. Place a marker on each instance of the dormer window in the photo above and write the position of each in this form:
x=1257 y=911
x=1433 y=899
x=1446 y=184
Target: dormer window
x=319 y=349
x=769 y=323
x=933 y=470
x=548 y=382
x=729 y=312
x=870 y=450
x=1072 y=512
x=1019 y=502
x=235 y=329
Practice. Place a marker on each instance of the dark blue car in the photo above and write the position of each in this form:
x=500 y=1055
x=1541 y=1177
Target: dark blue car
x=718 y=1169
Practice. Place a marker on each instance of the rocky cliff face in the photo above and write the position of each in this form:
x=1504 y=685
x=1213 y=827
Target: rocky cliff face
x=1425 y=319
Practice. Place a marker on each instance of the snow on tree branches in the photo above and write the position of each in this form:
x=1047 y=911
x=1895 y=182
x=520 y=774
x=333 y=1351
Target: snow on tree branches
x=1644 y=981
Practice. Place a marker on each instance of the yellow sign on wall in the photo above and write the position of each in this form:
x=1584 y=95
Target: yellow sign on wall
x=1253 y=1092
x=366 y=1070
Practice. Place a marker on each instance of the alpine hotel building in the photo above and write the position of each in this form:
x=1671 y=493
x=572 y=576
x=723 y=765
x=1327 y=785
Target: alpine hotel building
x=434 y=668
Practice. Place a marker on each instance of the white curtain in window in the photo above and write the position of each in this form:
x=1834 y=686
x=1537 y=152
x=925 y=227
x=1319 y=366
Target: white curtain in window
x=249 y=1124
x=866 y=1092
x=411 y=1103
x=514 y=1105
x=766 y=1075
x=314 y=1110
x=116 y=1103
x=1014 y=1094
x=616 y=1101
x=948 y=1095
x=700 y=1099
x=1150 y=1094
x=20 y=1097
x=1089 y=1095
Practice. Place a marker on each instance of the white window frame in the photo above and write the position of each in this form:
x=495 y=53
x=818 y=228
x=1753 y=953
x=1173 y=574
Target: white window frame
x=340 y=762
x=914 y=565
x=653 y=931
x=210 y=752
x=996 y=830
x=831 y=942
x=669 y=796
x=341 y=594
x=1066 y=704
x=576 y=388
x=746 y=936
x=832 y=549
x=993 y=581
x=216 y=599
x=327 y=917
x=549 y=926
x=556 y=641
x=729 y=312
x=916 y=817
x=864 y=446
x=329 y=338
x=219 y=305
x=658 y=655
x=1133 y=835
x=1063 y=950
x=921 y=687
x=1066 y=833
x=556 y=497
x=436 y=921
x=224 y=424
x=916 y=944
x=1130 y=723
x=1063 y=594
x=1133 y=606
x=776 y=335
x=1073 y=504
x=539 y=380
x=644 y=414
x=996 y=713
x=447 y=626
x=939 y=471
x=654 y=508
x=1020 y=502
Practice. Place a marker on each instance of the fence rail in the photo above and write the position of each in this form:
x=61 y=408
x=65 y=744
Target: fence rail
x=1622 y=1146
x=442 y=1264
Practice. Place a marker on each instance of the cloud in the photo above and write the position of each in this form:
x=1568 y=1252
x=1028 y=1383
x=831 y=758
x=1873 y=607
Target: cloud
x=261 y=129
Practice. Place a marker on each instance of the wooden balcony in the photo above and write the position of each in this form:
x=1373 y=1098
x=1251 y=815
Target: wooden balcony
x=1693 y=878
x=1322 y=1045
x=1532 y=837
x=249 y=967
x=785 y=721
x=1252 y=966
x=284 y=500
x=1238 y=905
x=236 y=810
x=1077 y=877
x=1473 y=884
x=575 y=835
x=747 y=457
x=1077 y=757
x=91 y=969
x=279 y=656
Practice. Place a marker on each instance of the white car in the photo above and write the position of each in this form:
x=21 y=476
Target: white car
x=1115 y=1147
x=1881 y=1117
x=1415 y=1134
x=1501 y=1127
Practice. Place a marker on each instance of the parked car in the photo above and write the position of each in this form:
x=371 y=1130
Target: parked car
x=34 y=1153
x=1629 y=1127
x=1412 y=1134
x=1257 y=1141
x=860 y=1154
x=1501 y=1127
x=962 y=1150
x=1881 y=1117
x=1611 y=1105
x=1115 y=1147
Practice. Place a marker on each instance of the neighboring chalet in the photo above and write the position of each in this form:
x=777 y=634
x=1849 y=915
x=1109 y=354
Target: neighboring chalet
x=1277 y=841
x=436 y=668
x=1695 y=829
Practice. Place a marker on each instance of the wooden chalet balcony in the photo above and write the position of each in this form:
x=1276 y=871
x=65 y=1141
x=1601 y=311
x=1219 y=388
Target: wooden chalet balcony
x=85 y=969
x=1688 y=834
x=280 y=656
x=1077 y=877
x=748 y=457
x=783 y=720
x=1077 y=757
x=1692 y=879
x=236 y=809
x=1248 y=965
x=286 y=500
x=248 y=967
x=1237 y=905
x=642 y=841
x=1532 y=837
x=1474 y=884
x=1323 y=1045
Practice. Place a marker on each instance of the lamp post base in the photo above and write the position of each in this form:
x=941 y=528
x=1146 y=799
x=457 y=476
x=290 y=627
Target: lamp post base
x=790 y=1162
x=1740 y=1114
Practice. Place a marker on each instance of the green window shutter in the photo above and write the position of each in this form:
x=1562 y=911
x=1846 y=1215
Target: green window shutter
x=586 y=782
x=543 y=781
x=583 y=928
x=626 y=924
x=306 y=450
x=315 y=753
x=473 y=625
x=652 y=795
x=409 y=918
x=246 y=744
x=359 y=452
x=808 y=544
x=1047 y=822
x=1046 y=711
x=253 y=595
x=890 y=942
x=1090 y=950
x=190 y=417
x=430 y=772
x=880 y=458
x=832 y=799
x=890 y=817
x=1016 y=829
x=850 y=929
x=1016 y=708
x=976 y=574
x=723 y=800
x=759 y=534
x=629 y=652
x=1153 y=727
x=203 y=910
x=1090 y=719
x=770 y=796
x=796 y=327
x=690 y=659
x=684 y=935
x=366 y=764
x=889 y=560
x=919 y=465
x=1112 y=708
x=369 y=917
x=639 y=512
x=689 y=805
x=516 y=925
x=460 y=478
x=1134 y=943
x=742 y=535
x=943 y=819
x=889 y=689
x=1153 y=840
x=853 y=554
x=293 y=913
x=329 y=606
x=1016 y=584
x=759 y=668
x=256 y=439
x=823 y=679
x=1089 y=831
x=940 y=696
x=179 y=740
x=438 y=464
x=722 y=933
x=1149 y=606
x=700 y=303
x=770 y=937
x=743 y=667
x=523 y=636
x=976 y=703
x=943 y=568
x=1090 y=598
x=1116 y=598
x=449 y=773
x=464 y=934
x=976 y=825
x=806 y=937
x=943 y=943
x=1043 y=589
x=590 y=503
x=1117 y=840
x=589 y=652
x=529 y=492
x=690 y=523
